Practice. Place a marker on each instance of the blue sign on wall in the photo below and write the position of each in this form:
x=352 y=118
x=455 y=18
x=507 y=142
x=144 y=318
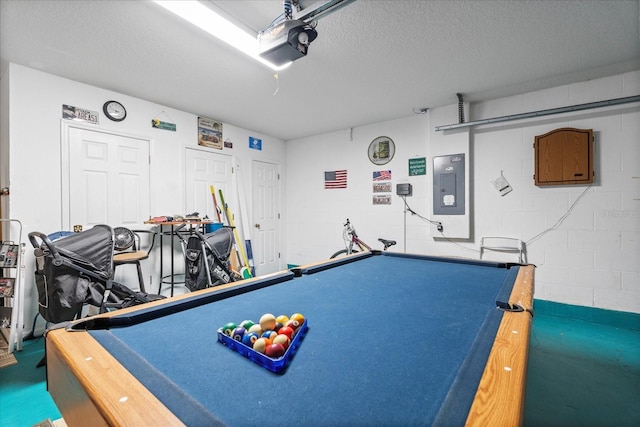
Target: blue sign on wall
x=255 y=143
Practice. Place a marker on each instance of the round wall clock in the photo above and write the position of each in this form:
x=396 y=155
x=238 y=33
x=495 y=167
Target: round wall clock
x=381 y=150
x=114 y=111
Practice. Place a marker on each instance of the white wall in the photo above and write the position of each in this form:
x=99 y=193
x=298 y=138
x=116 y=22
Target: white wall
x=315 y=215
x=591 y=259
x=31 y=128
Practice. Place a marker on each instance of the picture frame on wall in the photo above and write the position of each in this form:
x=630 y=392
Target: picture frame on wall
x=209 y=133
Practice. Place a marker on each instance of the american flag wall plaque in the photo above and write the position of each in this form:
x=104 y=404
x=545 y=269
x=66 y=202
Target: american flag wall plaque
x=335 y=179
x=382 y=175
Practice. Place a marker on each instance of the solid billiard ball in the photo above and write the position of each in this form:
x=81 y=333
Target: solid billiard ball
x=256 y=328
x=278 y=326
x=261 y=345
x=282 y=319
x=238 y=333
x=249 y=339
x=228 y=328
x=286 y=330
x=274 y=350
x=247 y=324
x=268 y=322
x=283 y=340
x=269 y=334
x=297 y=316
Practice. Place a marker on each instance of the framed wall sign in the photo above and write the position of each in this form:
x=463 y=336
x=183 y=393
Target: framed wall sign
x=209 y=133
x=381 y=150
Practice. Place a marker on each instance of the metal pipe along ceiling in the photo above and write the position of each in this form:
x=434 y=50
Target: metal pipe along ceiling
x=540 y=113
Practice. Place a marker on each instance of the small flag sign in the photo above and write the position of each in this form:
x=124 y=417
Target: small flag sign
x=335 y=179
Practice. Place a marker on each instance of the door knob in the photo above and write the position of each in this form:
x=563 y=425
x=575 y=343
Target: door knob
x=257 y=226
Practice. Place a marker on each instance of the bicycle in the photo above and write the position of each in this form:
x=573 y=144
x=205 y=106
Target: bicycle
x=351 y=238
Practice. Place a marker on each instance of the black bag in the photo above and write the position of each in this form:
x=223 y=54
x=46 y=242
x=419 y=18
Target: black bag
x=61 y=295
x=207 y=259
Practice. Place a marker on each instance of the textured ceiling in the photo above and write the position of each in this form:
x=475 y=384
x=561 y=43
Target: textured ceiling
x=372 y=60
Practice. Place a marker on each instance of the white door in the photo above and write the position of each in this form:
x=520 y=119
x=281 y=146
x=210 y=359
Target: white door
x=108 y=178
x=265 y=185
x=202 y=170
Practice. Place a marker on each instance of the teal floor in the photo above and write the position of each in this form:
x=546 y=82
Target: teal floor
x=24 y=400
x=584 y=370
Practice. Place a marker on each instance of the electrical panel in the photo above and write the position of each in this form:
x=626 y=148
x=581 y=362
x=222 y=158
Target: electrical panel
x=448 y=185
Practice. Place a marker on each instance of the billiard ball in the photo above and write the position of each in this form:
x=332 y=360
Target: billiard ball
x=247 y=324
x=274 y=350
x=256 y=328
x=293 y=324
x=238 y=333
x=261 y=345
x=286 y=330
x=278 y=326
x=268 y=322
x=282 y=319
x=269 y=334
x=297 y=316
x=249 y=339
x=283 y=340
x=228 y=328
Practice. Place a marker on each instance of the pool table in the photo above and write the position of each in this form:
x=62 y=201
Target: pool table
x=392 y=339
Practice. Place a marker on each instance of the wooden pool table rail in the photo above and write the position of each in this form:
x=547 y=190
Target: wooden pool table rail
x=499 y=400
x=90 y=387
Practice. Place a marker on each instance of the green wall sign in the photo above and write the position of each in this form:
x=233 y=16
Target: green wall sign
x=418 y=166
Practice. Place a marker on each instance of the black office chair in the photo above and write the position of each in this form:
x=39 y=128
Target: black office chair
x=128 y=249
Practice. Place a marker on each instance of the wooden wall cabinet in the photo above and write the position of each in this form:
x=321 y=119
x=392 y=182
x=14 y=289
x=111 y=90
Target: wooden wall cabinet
x=564 y=157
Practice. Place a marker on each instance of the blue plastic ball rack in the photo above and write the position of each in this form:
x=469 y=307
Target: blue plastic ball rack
x=273 y=364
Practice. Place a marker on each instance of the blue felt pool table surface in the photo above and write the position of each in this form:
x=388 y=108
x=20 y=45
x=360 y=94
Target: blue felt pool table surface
x=392 y=340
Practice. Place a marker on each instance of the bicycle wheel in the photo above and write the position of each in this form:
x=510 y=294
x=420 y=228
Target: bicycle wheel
x=342 y=252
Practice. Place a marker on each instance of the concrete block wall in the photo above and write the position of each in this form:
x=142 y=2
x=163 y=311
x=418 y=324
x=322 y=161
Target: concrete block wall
x=592 y=258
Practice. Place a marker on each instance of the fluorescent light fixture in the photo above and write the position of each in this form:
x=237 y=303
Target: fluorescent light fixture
x=216 y=25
